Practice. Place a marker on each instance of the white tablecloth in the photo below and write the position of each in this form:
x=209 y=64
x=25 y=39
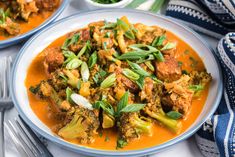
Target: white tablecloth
x=187 y=148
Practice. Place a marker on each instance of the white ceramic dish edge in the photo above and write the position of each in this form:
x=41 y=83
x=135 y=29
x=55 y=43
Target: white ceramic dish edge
x=42 y=39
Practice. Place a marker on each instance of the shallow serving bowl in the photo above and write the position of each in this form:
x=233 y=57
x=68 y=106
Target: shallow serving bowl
x=22 y=37
x=41 y=40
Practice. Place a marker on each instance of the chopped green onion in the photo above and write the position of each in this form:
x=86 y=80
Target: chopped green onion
x=140 y=82
x=81 y=101
x=74 y=63
x=86 y=48
x=109 y=26
x=69 y=92
x=85 y=72
x=123 y=25
x=122 y=103
x=130 y=74
x=69 y=54
x=129 y=34
x=70 y=41
x=108 y=81
x=174 y=115
x=108 y=108
x=158 y=41
x=158 y=55
x=196 y=88
x=133 y=107
x=79 y=84
x=121 y=143
x=169 y=46
x=135 y=55
x=138 y=69
x=92 y=60
x=149 y=65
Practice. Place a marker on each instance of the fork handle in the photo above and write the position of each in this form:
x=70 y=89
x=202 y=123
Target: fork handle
x=2 y=148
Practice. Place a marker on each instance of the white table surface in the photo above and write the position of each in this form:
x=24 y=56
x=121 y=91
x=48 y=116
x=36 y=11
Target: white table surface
x=187 y=148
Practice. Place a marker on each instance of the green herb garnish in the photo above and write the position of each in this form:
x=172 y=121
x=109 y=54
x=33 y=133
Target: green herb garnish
x=121 y=143
x=174 y=115
x=196 y=88
x=130 y=74
x=106 y=1
x=158 y=41
x=108 y=81
x=133 y=108
x=70 y=41
x=92 y=60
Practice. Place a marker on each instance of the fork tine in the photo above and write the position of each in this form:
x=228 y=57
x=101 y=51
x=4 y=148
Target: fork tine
x=9 y=65
x=22 y=140
x=16 y=141
x=4 y=79
x=32 y=143
x=41 y=147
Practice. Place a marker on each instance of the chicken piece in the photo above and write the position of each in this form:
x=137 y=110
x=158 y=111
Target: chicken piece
x=10 y=27
x=128 y=84
x=169 y=70
x=27 y=8
x=179 y=96
x=48 y=5
x=53 y=60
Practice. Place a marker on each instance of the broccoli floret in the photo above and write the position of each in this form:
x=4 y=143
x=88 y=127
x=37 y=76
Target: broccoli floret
x=132 y=125
x=83 y=126
x=46 y=91
x=200 y=78
x=161 y=117
x=58 y=80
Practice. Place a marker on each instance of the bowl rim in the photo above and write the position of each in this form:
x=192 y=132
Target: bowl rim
x=101 y=5
x=97 y=152
x=16 y=39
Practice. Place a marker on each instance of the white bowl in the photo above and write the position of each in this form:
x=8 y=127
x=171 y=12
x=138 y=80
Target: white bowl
x=94 y=5
x=41 y=40
x=23 y=37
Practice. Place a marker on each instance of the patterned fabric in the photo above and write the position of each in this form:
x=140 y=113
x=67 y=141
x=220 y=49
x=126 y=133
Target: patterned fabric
x=211 y=17
x=215 y=18
x=217 y=135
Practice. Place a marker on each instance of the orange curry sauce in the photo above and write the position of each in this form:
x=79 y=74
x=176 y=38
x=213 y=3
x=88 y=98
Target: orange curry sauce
x=160 y=134
x=25 y=26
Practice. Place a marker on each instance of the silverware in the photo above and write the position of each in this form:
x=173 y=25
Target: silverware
x=5 y=99
x=25 y=140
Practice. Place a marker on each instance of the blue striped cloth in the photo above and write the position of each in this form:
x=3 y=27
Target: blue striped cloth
x=215 y=18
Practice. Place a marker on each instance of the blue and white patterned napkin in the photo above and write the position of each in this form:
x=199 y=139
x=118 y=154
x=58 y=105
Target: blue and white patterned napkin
x=211 y=17
x=215 y=18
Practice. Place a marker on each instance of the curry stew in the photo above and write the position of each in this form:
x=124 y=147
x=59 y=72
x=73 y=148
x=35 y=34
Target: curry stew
x=20 y=16
x=117 y=85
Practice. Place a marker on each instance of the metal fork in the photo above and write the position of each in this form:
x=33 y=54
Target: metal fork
x=5 y=99
x=25 y=140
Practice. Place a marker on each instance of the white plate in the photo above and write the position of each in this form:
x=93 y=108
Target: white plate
x=41 y=40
